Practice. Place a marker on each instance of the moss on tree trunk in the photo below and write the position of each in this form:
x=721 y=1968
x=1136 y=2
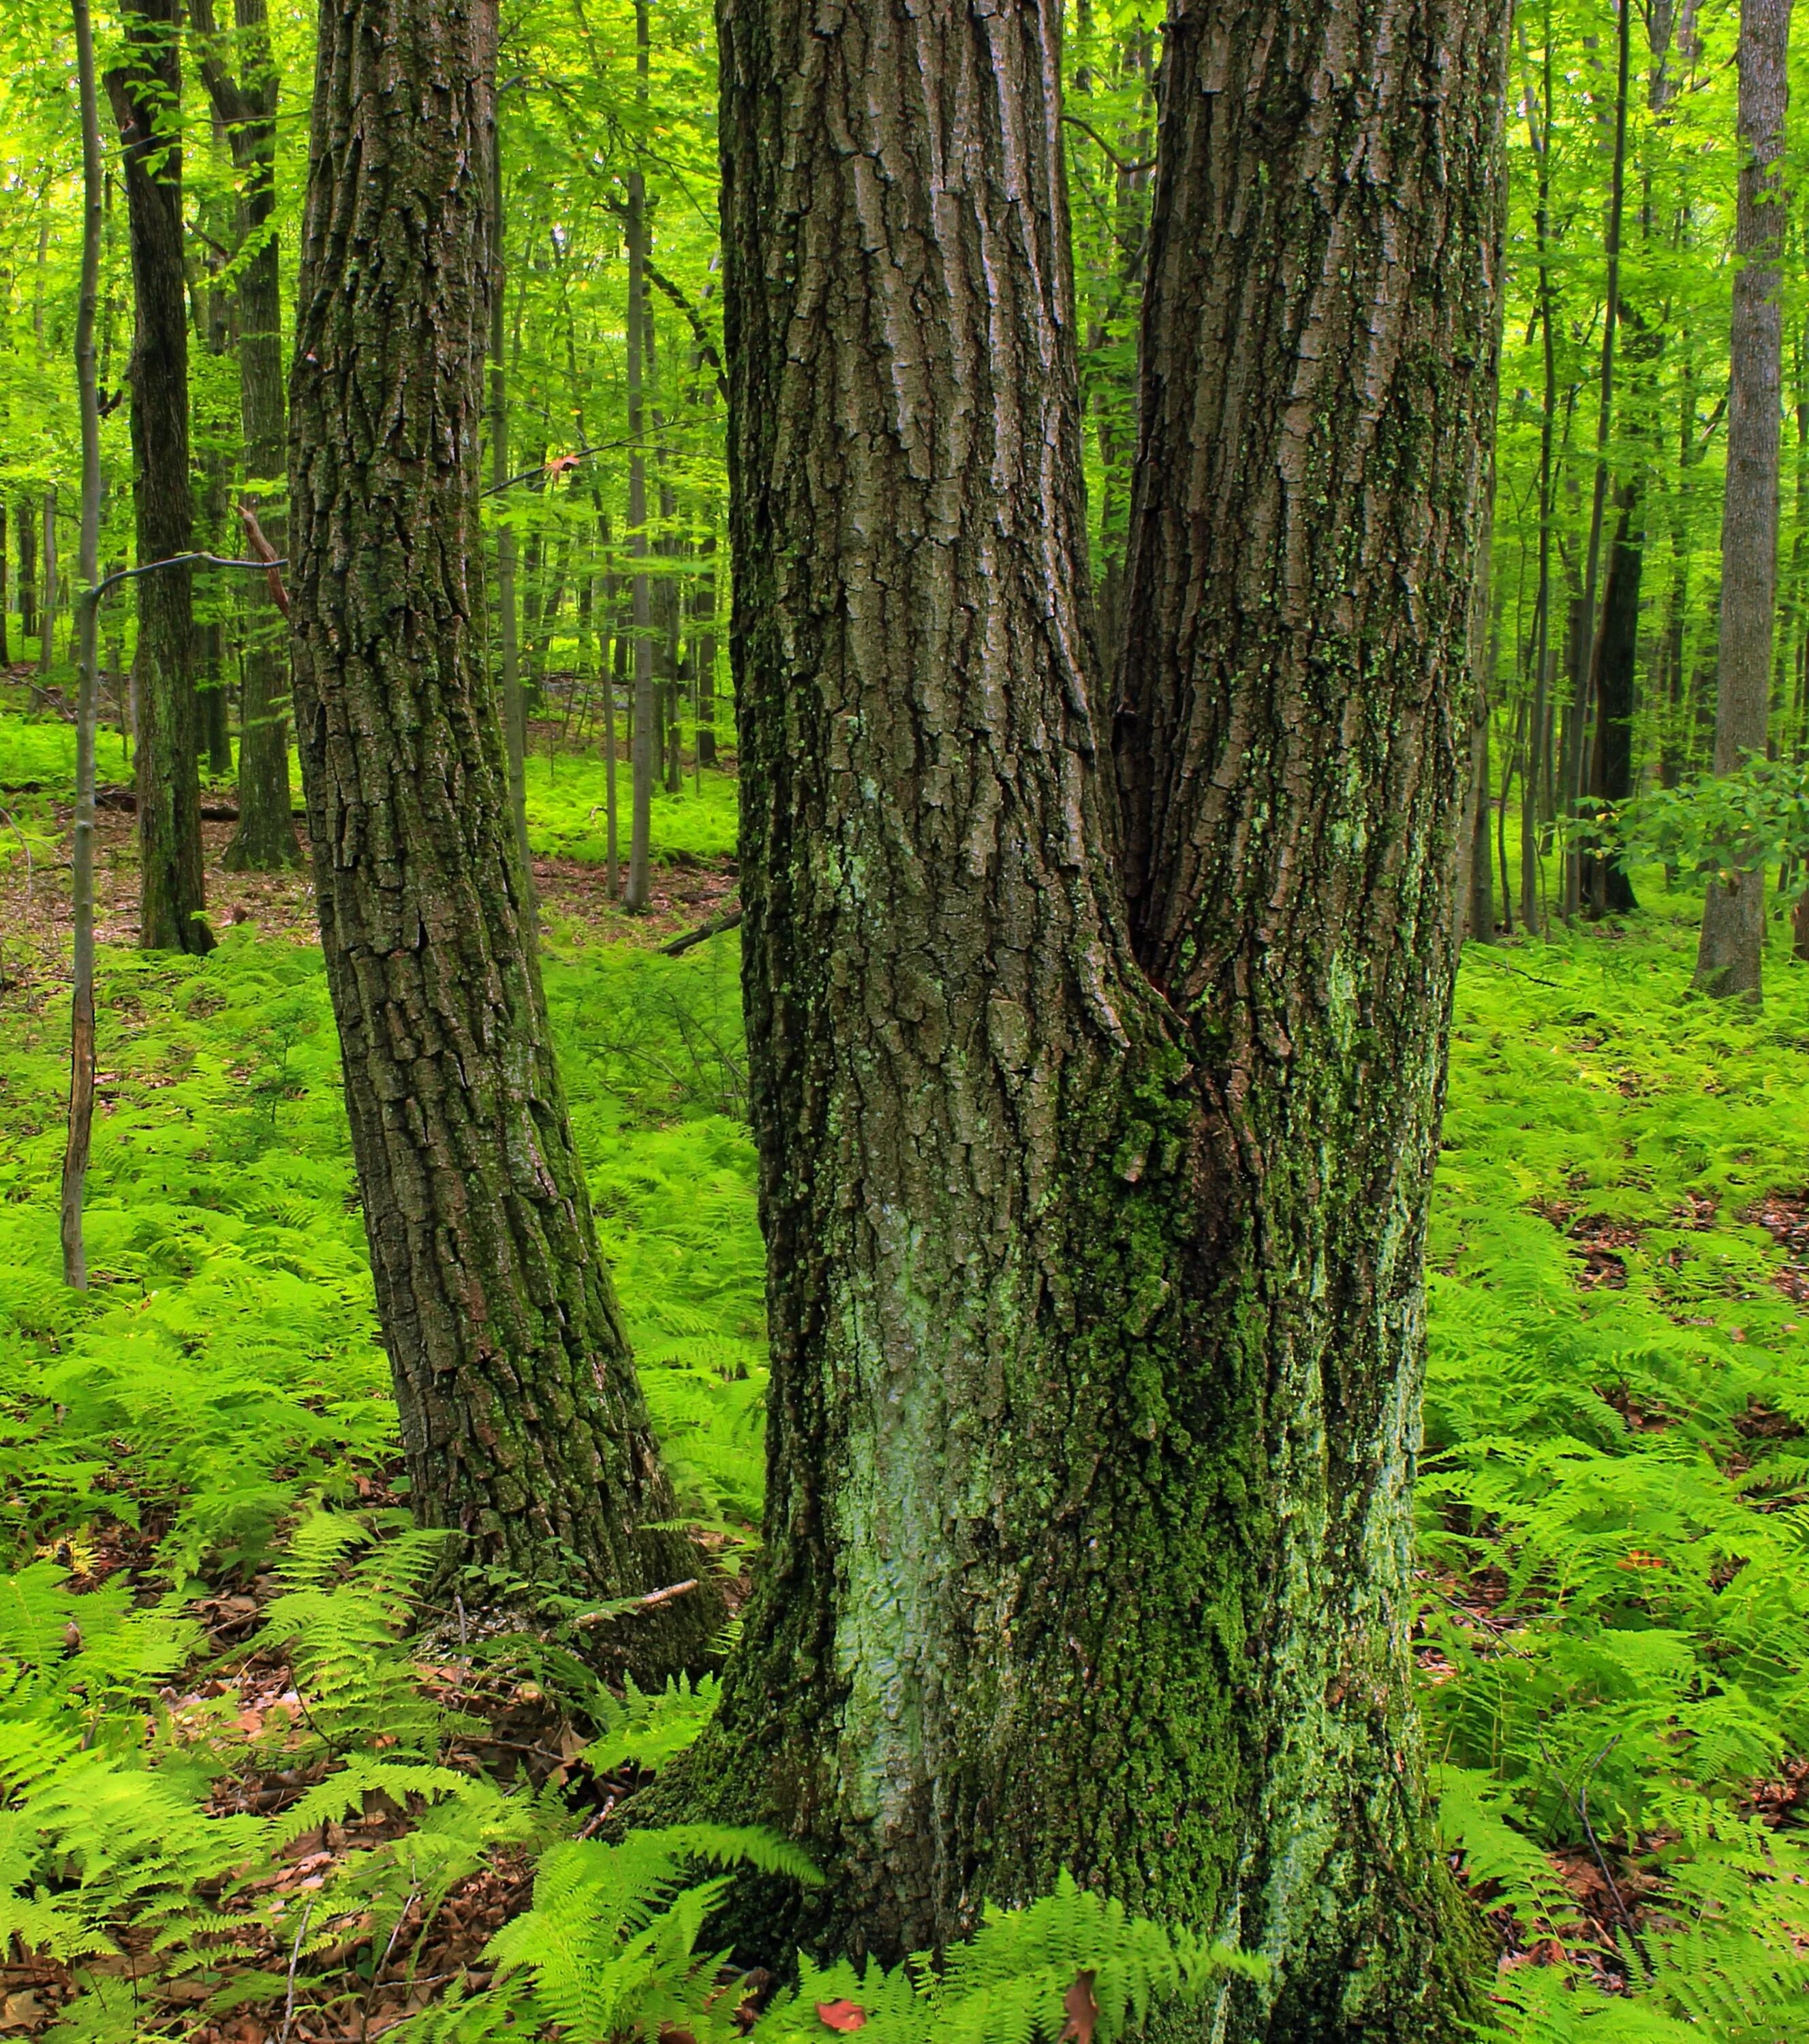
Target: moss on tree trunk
x=1096 y=1112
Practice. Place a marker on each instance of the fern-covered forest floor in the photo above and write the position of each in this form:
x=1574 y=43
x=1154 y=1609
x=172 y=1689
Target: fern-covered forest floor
x=260 y=1785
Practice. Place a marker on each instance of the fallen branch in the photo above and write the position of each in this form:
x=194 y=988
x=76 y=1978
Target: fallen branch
x=725 y=918
x=623 y=1606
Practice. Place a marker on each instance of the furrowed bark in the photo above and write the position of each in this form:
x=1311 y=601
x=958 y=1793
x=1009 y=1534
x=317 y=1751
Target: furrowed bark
x=523 y=1424
x=143 y=93
x=1730 y=955
x=1319 y=391
x=1094 y=1211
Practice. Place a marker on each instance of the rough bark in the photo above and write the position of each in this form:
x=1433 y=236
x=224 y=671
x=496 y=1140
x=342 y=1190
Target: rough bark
x=144 y=93
x=1093 y=1224
x=1319 y=394
x=247 y=104
x=522 y=1421
x=1729 y=957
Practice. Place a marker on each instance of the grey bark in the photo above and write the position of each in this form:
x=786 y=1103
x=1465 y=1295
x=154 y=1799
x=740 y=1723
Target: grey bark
x=1729 y=957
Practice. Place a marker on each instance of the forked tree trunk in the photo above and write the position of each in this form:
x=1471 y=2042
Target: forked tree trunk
x=1094 y=1225
x=247 y=103
x=522 y=1421
x=1729 y=957
x=144 y=93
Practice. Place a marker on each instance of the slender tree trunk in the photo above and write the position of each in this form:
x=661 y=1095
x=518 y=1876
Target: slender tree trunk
x=47 y=642
x=28 y=574
x=638 y=895
x=5 y=656
x=265 y=840
x=1583 y=663
x=145 y=93
x=1730 y=958
x=704 y=649
x=1609 y=890
x=1094 y=1222
x=522 y=1421
x=87 y=570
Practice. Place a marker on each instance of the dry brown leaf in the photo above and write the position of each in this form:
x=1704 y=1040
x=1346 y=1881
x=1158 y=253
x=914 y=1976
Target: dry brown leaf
x=1083 y=2011
x=843 y=2015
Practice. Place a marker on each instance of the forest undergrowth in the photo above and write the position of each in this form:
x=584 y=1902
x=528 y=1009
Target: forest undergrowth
x=264 y=1779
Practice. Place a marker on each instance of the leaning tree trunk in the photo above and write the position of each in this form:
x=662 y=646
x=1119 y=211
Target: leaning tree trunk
x=522 y=1421
x=144 y=93
x=1729 y=957
x=1094 y=1226
x=265 y=839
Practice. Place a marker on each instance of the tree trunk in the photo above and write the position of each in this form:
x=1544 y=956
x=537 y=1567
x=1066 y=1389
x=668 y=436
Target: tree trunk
x=265 y=840
x=1729 y=957
x=1094 y=1226
x=47 y=642
x=637 y=895
x=1609 y=890
x=82 y=849
x=5 y=656
x=704 y=649
x=522 y=1421
x=1311 y=498
x=28 y=574
x=144 y=93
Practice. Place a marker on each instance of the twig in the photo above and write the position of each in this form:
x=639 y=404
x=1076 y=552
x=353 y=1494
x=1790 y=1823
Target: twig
x=24 y=843
x=295 y=1961
x=1601 y=1857
x=267 y=554
x=647 y=1602
x=1128 y=169
x=727 y=919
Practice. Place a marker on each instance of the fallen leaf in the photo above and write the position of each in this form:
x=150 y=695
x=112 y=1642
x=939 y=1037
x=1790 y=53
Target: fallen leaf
x=1083 y=2011
x=19 y=2012
x=841 y=2015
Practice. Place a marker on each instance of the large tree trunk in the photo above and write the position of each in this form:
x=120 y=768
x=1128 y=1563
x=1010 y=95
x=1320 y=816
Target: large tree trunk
x=522 y=1421
x=1729 y=957
x=265 y=839
x=144 y=93
x=1094 y=1226
x=1319 y=394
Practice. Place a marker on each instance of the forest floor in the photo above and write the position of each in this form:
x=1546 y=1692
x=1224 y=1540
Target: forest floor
x=262 y=1787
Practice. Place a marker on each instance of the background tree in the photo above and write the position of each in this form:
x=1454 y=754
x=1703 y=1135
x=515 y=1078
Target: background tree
x=522 y=1420
x=1730 y=959
x=247 y=104
x=145 y=92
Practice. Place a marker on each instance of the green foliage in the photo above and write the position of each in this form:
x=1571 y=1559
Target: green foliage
x=1011 y=1981
x=1614 y=1490
x=1718 y=824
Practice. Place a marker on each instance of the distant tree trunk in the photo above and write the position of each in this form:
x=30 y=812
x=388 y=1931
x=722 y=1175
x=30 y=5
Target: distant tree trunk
x=1094 y=1219
x=265 y=840
x=522 y=1421
x=144 y=93
x=28 y=574
x=46 y=642
x=638 y=896
x=1730 y=958
x=1609 y=890
x=704 y=650
x=5 y=656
